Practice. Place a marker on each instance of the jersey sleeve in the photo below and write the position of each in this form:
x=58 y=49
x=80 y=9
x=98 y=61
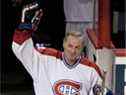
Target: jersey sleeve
x=96 y=82
x=34 y=60
x=24 y=50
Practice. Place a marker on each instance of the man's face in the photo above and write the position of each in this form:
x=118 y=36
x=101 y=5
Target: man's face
x=72 y=48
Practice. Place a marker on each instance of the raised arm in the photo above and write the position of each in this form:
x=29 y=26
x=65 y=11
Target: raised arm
x=22 y=44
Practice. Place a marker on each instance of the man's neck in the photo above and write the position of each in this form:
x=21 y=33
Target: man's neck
x=71 y=62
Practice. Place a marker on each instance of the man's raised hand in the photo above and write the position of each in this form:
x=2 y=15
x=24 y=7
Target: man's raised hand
x=31 y=16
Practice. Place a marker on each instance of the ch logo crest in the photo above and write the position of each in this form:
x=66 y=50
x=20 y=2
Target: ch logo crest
x=67 y=87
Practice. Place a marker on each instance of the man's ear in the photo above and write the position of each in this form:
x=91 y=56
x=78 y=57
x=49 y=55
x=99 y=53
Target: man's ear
x=64 y=43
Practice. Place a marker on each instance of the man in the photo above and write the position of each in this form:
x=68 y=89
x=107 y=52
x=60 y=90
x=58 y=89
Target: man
x=55 y=72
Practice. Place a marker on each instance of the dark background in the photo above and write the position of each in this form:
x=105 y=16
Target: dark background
x=14 y=78
x=51 y=32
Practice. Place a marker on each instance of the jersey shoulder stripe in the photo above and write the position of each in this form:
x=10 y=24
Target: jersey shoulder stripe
x=87 y=62
x=50 y=52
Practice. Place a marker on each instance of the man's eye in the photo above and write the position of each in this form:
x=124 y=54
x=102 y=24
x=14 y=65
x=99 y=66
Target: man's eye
x=70 y=45
x=77 y=47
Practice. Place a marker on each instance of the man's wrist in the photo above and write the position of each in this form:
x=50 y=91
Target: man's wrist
x=25 y=26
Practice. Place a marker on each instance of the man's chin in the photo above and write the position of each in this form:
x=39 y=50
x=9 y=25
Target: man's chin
x=73 y=58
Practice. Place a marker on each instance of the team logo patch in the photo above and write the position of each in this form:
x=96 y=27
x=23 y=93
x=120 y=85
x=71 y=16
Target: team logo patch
x=67 y=87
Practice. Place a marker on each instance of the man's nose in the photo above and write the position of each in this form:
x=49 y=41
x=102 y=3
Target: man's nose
x=73 y=51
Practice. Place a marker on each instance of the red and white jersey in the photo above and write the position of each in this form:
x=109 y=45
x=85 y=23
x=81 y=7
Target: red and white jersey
x=51 y=73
